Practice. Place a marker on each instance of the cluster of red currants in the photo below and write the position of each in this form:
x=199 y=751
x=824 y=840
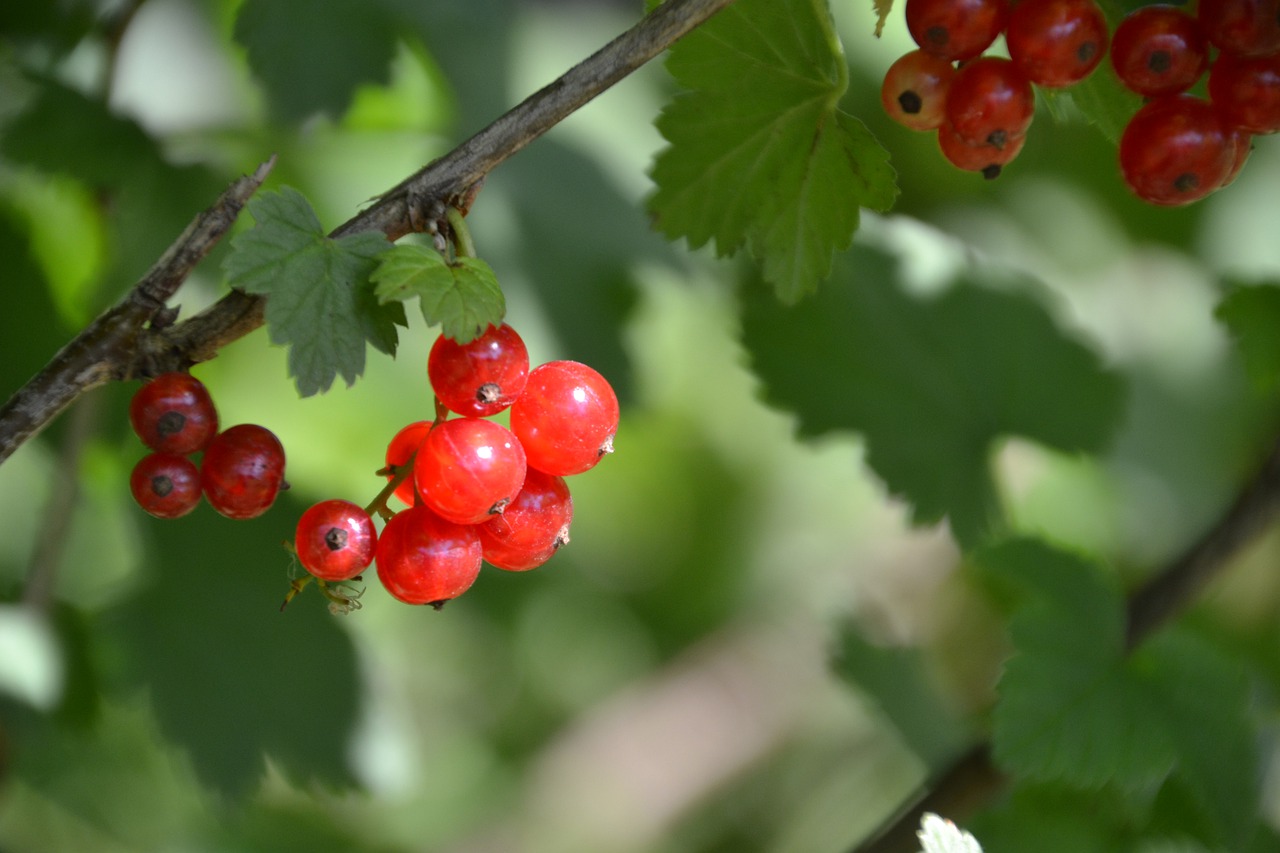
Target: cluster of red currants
x=241 y=469
x=475 y=490
x=1176 y=149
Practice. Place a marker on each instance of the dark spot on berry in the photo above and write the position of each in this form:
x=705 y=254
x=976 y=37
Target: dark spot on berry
x=1086 y=51
x=998 y=138
x=1186 y=182
x=937 y=35
x=489 y=392
x=991 y=172
x=335 y=539
x=438 y=605
x=161 y=486
x=1160 y=61
x=910 y=102
x=562 y=538
x=171 y=423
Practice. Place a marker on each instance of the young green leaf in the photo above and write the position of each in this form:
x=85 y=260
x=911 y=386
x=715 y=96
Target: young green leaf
x=760 y=156
x=319 y=296
x=1253 y=316
x=462 y=297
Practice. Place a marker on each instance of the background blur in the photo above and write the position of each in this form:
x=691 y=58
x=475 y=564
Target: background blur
x=666 y=683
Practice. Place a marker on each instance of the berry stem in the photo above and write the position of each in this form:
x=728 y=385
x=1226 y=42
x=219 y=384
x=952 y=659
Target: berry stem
x=463 y=245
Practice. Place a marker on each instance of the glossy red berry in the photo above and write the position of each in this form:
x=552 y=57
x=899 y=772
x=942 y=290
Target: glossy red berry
x=1056 y=43
x=174 y=413
x=915 y=89
x=956 y=29
x=335 y=540
x=242 y=471
x=1242 y=27
x=532 y=528
x=1246 y=91
x=400 y=450
x=1241 y=145
x=424 y=559
x=1159 y=50
x=990 y=102
x=1176 y=150
x=985 y=158
x=566 y=418
x=469 y=469
x=480 y=378
x=166 y=485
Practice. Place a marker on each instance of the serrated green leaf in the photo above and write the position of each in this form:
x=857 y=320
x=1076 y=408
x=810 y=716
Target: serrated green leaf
x=319 y=295
x=759 y=155
x=931 y=383
x=462 y=297
x=1253 y=316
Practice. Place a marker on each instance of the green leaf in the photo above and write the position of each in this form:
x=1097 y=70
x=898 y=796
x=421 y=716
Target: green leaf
x=319 y=296
x=1253 y=316
x=931 y=383
x=311 y=55
x=1105 y=102
x=462 y=297
x=760 y=156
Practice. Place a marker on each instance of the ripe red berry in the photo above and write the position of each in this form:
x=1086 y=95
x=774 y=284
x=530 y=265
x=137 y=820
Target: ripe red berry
x=480 y=378
x=566 y=418
x=400 y=450
x=1241 y=146
x=1242 y=27
x=990 y=102
x=424 y=559
x=242 y=471
x=1056 y=43
x=532 y=528
x=915 y=89
x=956 y=29
x=1159 y=50
x=1246 y=91
x=984 y=158
x=1176 y=150
x=174 y=413
x=335 y=540
x=166 y=485
x=469 y=469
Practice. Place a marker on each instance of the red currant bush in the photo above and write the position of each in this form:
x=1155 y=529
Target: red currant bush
x=566 y=418
x=1159 y=50
x=956 y=29
x=1056 y=43
x=469 y=469
x=480 y=378
x=424 y=559
x=243 y=471
x=1246 y=91
x=1176 y=150
x=915 y=89
x=174 y=413
x=166 y=485
x=990 y=102
x=400 y=450
x=335 y=540
x=532 y=528
x=1242 y=27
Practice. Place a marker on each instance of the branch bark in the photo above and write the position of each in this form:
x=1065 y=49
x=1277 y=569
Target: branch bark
x=119 y=344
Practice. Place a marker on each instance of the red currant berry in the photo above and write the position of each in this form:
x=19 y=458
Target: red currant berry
x=956 y=29
x=566 y=418
x=1159 y=50
x=174 y=413
x=1176 y=150
x=915 y=88
x=1247 y=91
x=1242 y=27
x=424 y=559
x=242 y=471
x=531 y=529
x=990 y=102
x=1056 y=43
x=469 y=469
x=166 y=485
x=1241 y=146
x=335 y=540
x=480 y=378
x=984 y=158
x=401 y=449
